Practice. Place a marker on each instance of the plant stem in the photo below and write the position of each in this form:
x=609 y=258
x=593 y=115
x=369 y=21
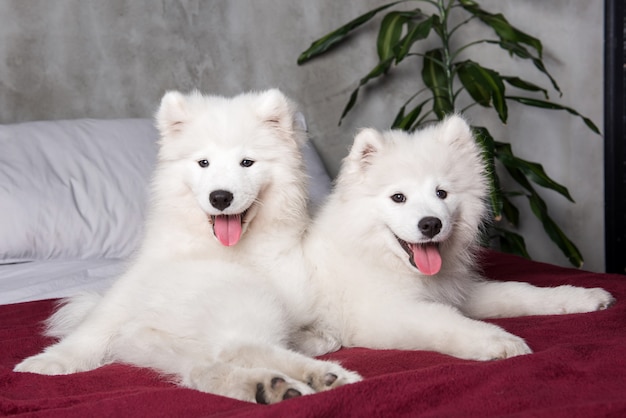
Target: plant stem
x=445 y=37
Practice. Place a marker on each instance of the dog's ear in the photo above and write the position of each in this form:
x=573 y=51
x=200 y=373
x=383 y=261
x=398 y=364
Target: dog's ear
x=273 y=106
x=456 y=131
x=173 y=113
x=279 y=112
x=299 y=122
x=367 y=144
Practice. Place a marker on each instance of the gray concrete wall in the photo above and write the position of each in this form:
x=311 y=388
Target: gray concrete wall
x=115 y=58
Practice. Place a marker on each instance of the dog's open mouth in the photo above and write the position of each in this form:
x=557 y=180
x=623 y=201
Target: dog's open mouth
x=228 y=228
x=425 y=256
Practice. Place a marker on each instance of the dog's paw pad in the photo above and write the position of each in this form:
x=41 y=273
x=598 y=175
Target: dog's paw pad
x=330 y=378
x=291 y=393
x=278 y=389
x=260 y=394
x=277 y=382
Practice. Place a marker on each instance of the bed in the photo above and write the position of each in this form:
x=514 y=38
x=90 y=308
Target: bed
x=72 y=199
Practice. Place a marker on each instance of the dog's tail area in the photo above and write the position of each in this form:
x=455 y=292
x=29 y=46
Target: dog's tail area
x=70 y=313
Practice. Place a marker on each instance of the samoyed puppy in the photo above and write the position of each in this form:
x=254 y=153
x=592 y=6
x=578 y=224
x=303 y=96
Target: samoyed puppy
x=393 y=251
x=218 y=287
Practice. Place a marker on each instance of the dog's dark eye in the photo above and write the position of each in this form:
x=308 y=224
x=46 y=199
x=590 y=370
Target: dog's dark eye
x=398 y=198
x=246 y=163
x=441 y=194
x=203 y=163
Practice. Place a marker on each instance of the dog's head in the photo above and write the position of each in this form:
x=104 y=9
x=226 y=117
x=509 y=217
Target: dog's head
x=238 y=156
x=425 y=190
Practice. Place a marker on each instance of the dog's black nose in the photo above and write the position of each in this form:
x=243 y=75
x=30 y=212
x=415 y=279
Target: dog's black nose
x=429 y=226
x=220 y=199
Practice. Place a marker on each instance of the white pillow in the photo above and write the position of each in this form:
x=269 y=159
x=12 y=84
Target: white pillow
x=73 y=189
x=78 y=188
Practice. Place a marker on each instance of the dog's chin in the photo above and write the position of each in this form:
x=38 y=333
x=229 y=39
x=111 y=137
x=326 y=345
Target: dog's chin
x=422 y=257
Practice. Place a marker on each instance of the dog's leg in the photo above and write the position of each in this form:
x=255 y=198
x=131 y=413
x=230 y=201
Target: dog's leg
x=248 y=371
x=84 y=349
x=509 y=299
x=433 y=327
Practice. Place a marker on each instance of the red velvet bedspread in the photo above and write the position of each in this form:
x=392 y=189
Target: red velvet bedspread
x=578 y=370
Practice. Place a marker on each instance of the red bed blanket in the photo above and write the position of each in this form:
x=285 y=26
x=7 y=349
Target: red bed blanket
x=578 y=369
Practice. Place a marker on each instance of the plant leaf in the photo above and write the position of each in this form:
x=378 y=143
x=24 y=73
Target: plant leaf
x=381 y=68
x=510 y=211
x=512 y=243
x=335 y=37
x=487 y=144
x=525 y=85
x=549 y=105
x=534 y=171
x=505 y=31
x=350 y=104
x=390 y=31
x=399 y=117
x=516 y=174
x=484 y=85
x=511 y=38
x=406 y=122
x=521 y=52
x=539 y=208
x=435 y=79
x=480 y=92
x=418 y=32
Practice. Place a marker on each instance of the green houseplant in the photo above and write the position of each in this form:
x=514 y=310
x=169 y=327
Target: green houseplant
x=445 y=76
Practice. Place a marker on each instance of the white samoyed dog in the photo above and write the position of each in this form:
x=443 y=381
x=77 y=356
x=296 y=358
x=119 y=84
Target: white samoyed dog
x=218 y=288
x=394 y=246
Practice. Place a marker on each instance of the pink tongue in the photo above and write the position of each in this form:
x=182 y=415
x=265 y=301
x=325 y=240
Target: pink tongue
x=427 y=258
x=227 y=229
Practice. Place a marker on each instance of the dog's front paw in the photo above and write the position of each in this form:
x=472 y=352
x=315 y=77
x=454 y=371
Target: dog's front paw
x=48 y=363
x=490 y=343
x=504 y=346
x=596 y=299
x=579 y=300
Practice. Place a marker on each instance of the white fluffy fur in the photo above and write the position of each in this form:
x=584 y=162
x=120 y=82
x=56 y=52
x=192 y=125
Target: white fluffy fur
x=373 y=296
x=218 y=318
